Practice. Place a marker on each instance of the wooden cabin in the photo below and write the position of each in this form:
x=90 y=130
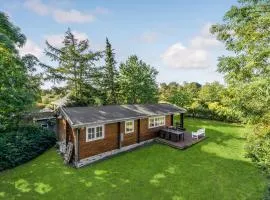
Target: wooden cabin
x=93 y=133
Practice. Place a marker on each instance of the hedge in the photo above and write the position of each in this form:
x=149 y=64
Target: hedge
x=258 y=147
x=25 y=143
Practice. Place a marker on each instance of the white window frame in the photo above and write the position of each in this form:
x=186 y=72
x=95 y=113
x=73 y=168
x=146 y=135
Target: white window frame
x=132 y=130
x=95 y=133
x=156 y=121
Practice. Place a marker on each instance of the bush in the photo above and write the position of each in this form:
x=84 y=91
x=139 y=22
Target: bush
x=213 y=111
x=258 y=147
x=267 y=194
x=25 y=143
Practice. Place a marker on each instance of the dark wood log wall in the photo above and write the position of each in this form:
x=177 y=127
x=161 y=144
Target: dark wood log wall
x=112 y=137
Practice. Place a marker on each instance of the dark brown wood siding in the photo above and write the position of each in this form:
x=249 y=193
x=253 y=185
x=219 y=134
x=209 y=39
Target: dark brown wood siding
x=61 y=129
x=150 y=133
x=129 y=138
x=70 y=133
x=110 y=142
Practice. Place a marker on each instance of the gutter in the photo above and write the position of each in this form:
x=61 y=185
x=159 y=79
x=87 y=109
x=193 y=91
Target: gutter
x=117 y=120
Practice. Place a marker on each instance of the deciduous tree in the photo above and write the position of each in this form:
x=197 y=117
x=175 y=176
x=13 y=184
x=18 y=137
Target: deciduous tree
x=15 y=94
x=137 y=82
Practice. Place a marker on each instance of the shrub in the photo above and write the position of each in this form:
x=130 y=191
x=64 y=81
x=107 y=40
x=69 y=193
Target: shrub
x=213 y=111
x=25 y=143
x=267 y=194
x=258 y=147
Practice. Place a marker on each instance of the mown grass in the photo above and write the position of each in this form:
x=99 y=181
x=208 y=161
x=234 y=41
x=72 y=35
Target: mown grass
x=213 y=169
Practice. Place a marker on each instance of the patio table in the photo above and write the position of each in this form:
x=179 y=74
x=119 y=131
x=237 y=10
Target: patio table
x=173 y=135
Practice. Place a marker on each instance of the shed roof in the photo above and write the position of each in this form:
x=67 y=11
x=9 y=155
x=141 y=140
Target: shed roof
x=79 y=116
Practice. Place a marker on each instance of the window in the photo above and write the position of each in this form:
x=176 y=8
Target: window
x=151 y=122
x=129 y=126
x=156 y=121
x=94 y=133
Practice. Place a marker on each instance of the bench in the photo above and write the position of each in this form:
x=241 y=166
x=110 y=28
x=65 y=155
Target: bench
x=198 y=133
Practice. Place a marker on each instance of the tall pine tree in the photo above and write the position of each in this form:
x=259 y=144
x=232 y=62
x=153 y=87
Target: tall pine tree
x=76 y=67
x=109 y=76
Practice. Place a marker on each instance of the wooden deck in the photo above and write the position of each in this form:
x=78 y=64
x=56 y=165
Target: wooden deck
x=183 y=144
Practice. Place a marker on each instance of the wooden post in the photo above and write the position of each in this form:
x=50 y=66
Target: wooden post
x=171 y=119
x=119 y=135
x=78 y=143
x=138 y=130
x=181 y=120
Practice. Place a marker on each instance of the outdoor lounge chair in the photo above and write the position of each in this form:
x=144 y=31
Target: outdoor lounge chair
x=198 y=133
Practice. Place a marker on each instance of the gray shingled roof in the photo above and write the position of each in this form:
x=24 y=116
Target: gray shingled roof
x=78 y=116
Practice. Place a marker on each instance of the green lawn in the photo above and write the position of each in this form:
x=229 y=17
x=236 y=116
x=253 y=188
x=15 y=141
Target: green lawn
x=213 y=169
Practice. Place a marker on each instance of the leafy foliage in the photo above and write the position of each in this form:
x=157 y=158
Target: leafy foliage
x=10 y=35
x=21 y=145
x=205 y=101
x=258 y=147
x=18 y=85
x=137 y=82
x=246 y=33
x=88 y=84
x=247 y=71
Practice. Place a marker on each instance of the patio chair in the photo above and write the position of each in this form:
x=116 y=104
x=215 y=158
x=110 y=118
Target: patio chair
x=198 y=133
x=162 y=134
x=168 y=136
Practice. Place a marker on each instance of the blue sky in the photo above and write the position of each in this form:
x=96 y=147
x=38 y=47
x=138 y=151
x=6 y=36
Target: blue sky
x=170 y=35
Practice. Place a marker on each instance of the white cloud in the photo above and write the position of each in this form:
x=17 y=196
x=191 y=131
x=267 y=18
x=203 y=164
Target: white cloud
x=149 y=37
x=179 y=56
x=205 y=39
x=195 y=55
x=31 y=48
x=57 y=39
x=37 y=6
x=204 y=42
x=61 y=15
x=72 y=16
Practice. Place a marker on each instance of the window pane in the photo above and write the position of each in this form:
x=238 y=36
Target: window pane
x=151 y=122
x=99 y=131
x=129 y=126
